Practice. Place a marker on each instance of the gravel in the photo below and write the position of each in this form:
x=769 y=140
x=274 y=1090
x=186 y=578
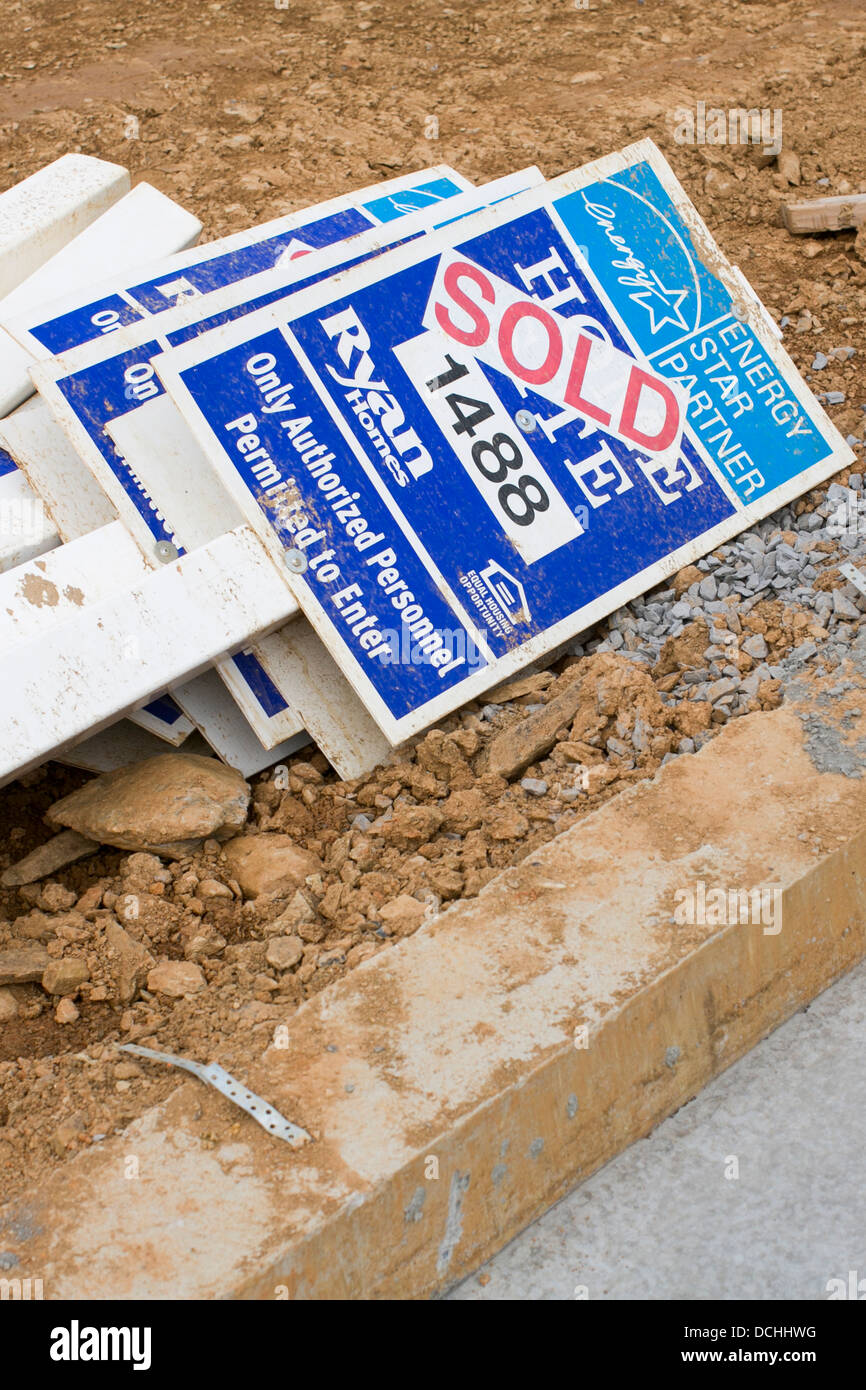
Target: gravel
x=777 y=558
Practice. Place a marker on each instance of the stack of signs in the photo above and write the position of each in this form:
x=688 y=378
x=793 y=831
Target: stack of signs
x=468 y=450
x=109 y=331
x=463 y=424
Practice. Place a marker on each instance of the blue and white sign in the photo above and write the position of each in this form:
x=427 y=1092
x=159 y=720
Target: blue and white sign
x=479 y=444
x=251 y=270
x=88 y=315
x=92 y=386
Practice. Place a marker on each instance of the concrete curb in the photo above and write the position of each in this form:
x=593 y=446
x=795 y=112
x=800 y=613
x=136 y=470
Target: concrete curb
x=446 y=1083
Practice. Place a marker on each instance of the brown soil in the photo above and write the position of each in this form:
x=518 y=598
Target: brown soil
x=244 y=112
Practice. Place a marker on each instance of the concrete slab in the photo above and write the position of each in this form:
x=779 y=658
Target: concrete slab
x=461 y=1083
x=754 y=1190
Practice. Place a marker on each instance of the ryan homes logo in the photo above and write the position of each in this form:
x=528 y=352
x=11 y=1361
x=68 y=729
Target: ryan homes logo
x=77 y=1343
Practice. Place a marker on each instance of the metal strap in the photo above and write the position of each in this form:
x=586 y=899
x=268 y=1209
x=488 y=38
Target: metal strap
x=221 y=1080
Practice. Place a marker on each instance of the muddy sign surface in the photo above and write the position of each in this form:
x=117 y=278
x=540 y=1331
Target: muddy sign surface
x=476 y=446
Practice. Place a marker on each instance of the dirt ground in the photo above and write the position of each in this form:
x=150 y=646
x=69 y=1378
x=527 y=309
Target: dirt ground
x=244 y=111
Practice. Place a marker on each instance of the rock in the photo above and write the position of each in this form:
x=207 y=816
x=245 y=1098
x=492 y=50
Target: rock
x=166 y=804
x=130 y=962
x=65 y=976
x=464 y=811
x=685 y=578
x=269 y=863
x=507 y=824
x=788 y=165
x=574 y=751
x=804 y=652
x=35 y=926
x=599 y=776
x=55 y=854
x=860 y=243
x=147 y=914
x=201 y=941
x=445 y=756
x=618 y=747
x=640 y=735
x=334 y=957
x=717 y=183
x=363 y=951
x=447 y=882
x=843 y=606
x=411 y=826
x=523 y=685
x=8 y=1006
x=535 y=786
x=403 y=914
x=68 y=1133
x=693 y=717
x=770 y=694
x=305 y=772
x=599 y=688
x=684 y=651
x=212 y=888
x=176 y=979
x=284 y=952
x=53 y=897
x=244 y=111
x=141 y=871
x=66 y=1012
x=22 y=965
x=127 y=1071
x=525 y=742
x=755 y=646
x=298 y=913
